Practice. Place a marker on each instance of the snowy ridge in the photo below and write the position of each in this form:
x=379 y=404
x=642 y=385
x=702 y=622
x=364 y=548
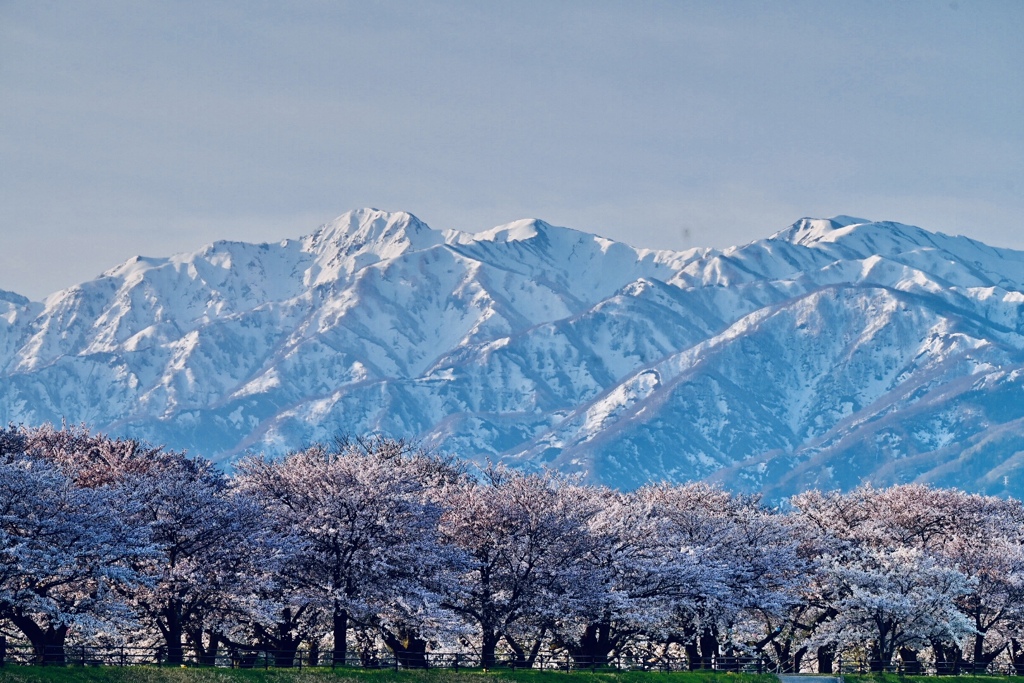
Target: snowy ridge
x=834 y=351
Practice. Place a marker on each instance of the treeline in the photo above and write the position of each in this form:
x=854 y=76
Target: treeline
x=371 y=545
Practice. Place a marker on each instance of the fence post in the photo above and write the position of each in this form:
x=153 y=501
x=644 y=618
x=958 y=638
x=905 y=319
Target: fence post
x=3 y=650
x=456 y=662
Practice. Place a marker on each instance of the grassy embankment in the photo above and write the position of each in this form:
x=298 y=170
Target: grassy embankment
x=36 y=674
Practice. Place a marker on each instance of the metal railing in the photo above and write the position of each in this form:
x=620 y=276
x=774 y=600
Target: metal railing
x=851 y=665
x=262 y=658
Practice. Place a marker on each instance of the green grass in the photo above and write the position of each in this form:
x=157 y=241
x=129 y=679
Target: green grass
x=147 y=674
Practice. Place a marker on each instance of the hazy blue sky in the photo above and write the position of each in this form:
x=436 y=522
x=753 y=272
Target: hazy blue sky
x=134 y=127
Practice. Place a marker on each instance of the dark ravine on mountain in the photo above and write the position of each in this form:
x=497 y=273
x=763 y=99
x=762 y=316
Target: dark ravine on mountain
x=833 y=352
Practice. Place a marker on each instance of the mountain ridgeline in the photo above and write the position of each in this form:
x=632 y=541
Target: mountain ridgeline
x=835 y=352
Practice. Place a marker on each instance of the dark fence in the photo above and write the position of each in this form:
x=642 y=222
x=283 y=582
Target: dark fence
x=862 y=666
x=252 y=658
x=92 y=655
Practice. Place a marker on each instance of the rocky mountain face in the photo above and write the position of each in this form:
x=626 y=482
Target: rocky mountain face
x=833 y=352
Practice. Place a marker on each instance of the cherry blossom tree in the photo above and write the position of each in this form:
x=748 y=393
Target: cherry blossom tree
x=889 y=587
x=198 y=539
x=639 y=575
x=894 y=599
x=526 y=538
x=365 y=530
x=746 y=561
x=63 y=549
x=985 y=542
x=210 y=549
x=104 y=537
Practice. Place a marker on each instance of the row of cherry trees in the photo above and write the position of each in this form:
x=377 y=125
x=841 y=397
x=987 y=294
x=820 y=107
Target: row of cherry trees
x=372 y=543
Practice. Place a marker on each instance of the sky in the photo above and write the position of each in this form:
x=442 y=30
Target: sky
x=156 y=127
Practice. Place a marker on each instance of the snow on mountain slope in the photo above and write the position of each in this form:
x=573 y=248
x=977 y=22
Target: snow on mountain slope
x=15 y=312
x=833 y=351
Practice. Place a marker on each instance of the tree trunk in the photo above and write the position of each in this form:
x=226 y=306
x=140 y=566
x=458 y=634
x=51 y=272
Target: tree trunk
x=692 y=655
x=488 y=644
x=979 y=651
x=172 y=628
x=594 y=647
x=798 y=659
x=409 y=649
x=286 y=645
x=524 y=659
x=286 y=652
x=47 y=643
x=826 y=657
x=708 y=642
x=875 y=658
x=911 y=664
x=947 y=658
x=366 y=644
x=340 y=634
x=175 y=650
x=284 y=640
x=1017 y=656
x=981 y=658
x=782 y=655
x=206 y=654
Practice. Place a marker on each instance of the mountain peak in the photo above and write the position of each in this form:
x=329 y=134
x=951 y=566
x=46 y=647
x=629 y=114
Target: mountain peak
x=862 y=235
x=358 y=239
x=516 y=231
x=137 y=265
x=391 y=231
x=808 y=231
x=843 y=221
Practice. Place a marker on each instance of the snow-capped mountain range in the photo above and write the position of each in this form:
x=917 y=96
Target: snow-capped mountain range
x=833 y=352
